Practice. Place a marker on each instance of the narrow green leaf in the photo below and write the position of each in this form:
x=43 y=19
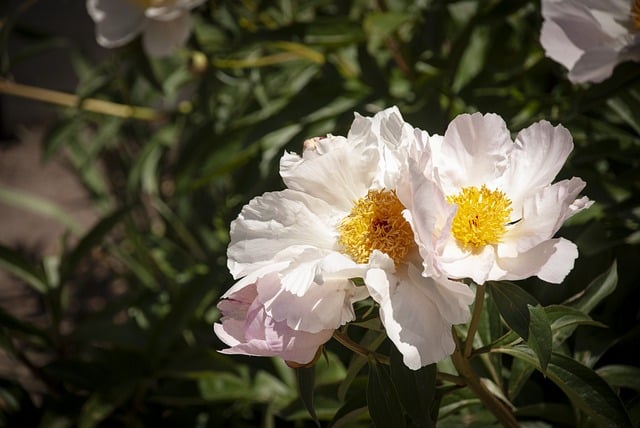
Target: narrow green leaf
x=88 y=241
x=520 y=373
x=382 y=399
x=565 y=319
x=621 y=376
x=38 y=205
x=94 y=411
x=17 y=265
x=540 y=335
x=589 y=392
x=416 y=389
x=602 y=286
x=512 y=302
x=306 y=379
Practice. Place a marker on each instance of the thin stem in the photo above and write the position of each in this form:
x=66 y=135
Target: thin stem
x=457 y=380
x=69 y=100
x=346 y=341
x=497 y=407
x=475 y=320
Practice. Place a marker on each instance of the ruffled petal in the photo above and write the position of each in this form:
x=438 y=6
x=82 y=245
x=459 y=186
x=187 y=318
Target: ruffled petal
x=474 y=152
x=550 y=261
x=341 y=174
x=287 y=221
x=542 y=215
x=458 y=263
x=117 y=21
x=247 y=328
x=326 y=306
x=418 y=312
x=538 y=154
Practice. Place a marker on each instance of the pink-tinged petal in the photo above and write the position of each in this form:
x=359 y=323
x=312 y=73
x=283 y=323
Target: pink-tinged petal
x=550 y=261
x=542 y=215
x=340 y=175
x=163 y=37
x=474 y=152
x=325 y=306
x=247 y=328
x=277 y=222
x=117 y=21
x=418 y=312
x=538 y=154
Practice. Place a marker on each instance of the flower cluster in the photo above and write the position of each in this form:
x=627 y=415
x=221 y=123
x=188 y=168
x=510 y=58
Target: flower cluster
x=410 y=215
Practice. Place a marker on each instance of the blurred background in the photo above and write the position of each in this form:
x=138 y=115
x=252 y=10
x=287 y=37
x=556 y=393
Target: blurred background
x=114 y=226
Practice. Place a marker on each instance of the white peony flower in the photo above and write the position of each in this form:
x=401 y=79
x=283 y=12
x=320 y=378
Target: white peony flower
x=165 y=24
x=590 y=37
x=340 y=218
x=490 y=203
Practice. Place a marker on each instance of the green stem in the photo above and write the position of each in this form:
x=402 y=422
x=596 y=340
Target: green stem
x=497 y=407
x=475 y=320
x=346 y=341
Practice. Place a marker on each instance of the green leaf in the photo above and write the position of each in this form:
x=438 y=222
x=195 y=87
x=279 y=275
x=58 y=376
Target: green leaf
x=17 y=265
x=416 y=389
x=621 y=376
x=565 y=319
x=586 y=390
x=382 y=399
x=40 y=206
x=94 y=411
x=88 y=241
x=602 y=286
x=306 y=378
x=540 y=335
x=513 y=303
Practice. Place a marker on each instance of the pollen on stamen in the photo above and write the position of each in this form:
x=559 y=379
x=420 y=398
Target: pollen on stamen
x=376 y=223
x=482 y=216
x=635 y=14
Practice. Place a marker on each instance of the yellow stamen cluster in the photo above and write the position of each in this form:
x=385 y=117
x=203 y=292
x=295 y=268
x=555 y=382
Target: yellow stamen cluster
x=376 y=223
x=635 y=14
x=481 y=218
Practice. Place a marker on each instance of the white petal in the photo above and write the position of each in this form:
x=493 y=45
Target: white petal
x=550 y=261
x=538 y=154
x=595 y=65
x=340 y=176
x=276 y=222
x=428 y=213
x=164 y=37
x=418 y=313
x=117 y=21
x=474 y=152
x=326 y=306
x=542 y=215
x=459 y=263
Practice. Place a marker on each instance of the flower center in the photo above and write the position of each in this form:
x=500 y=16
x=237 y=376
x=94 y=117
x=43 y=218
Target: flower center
x=481 y=218
x=376 y=223
x=635 y=14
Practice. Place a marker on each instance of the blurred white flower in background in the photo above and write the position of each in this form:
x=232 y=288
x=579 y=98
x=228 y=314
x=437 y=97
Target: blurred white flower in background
x=165 y=25
x=590 y=37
